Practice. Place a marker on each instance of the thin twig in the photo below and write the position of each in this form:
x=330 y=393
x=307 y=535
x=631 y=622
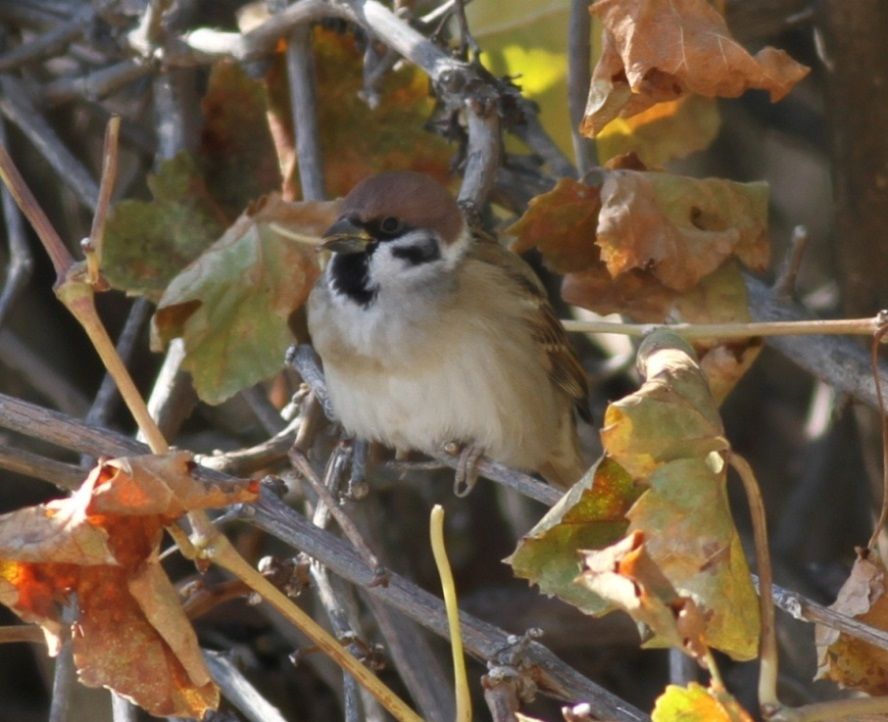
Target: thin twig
x=16 y=106
x=800 y=607
x=64 y=672
x=242 y=462
x=102 y=404
x=752 y=329
x=21 y=261
x=27 y=463
x=521 y=482
x=51 y=42
x=784 y=285
x=22 y=633
x=59 y=255
x=273 y=515
x=840 y=362
x=303 y=466
x=263 y=409
x=95 y=85
x=482 y=155
x=94 y=245
x=768 y=655
x=300 y=68
x=122 y=710
x=531 y=131
x=578 y=78
x=883 y=419
x=172 y=397
x=238 y=690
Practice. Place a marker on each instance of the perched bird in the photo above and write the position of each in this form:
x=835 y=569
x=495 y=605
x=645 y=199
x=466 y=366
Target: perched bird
x=431 y=333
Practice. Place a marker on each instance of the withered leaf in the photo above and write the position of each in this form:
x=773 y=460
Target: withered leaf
x=97 y=552
x=561 y=224
x=656 y=52
x=680 y=229
x=664 y=472
x=846 y=660
x=625 y=575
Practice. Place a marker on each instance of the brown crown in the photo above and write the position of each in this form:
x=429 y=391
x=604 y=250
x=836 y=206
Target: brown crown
x=413 y=198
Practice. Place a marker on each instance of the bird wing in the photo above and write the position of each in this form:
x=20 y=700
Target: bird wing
x=560 y=359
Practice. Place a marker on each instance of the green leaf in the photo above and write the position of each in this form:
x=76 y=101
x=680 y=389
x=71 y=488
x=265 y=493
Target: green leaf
x=231 y=305
x=589 y=516
x=148 y=242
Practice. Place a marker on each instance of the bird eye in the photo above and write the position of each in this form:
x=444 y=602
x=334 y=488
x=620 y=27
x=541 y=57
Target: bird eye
x=390 y=225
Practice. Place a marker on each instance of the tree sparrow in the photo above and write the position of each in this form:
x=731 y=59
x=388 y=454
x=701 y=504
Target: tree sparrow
x=431 y=333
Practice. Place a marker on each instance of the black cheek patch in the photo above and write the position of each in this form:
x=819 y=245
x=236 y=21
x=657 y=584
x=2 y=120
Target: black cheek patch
x=425 y=251
x=350 y=277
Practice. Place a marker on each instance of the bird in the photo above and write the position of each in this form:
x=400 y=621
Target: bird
x=432 y=334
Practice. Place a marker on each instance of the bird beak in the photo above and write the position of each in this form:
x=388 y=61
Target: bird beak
x=346 y=237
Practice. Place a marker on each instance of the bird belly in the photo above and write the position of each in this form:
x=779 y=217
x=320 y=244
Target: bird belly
x=460 y=399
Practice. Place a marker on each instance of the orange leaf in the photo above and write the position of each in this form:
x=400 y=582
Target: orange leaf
x=656 y=51
x=97 y=551
x=561 y=224
x=680 y=228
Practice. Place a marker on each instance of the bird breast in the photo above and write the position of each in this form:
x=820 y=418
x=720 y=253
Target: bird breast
x=457 y=363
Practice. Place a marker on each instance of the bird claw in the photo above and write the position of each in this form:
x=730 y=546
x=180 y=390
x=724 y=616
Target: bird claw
x=467 y=470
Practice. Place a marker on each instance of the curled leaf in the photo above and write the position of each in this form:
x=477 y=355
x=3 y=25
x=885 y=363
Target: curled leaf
x=97 y=552
x=657 y=52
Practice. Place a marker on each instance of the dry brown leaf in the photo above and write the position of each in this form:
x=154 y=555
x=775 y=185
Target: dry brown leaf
x=656 y=51
x=680 y=228
x=561 y=224
x=848 y=661
x=637 y=294
x=97 y=551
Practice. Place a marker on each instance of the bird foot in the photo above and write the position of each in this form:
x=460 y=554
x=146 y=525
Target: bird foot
x=466 y=469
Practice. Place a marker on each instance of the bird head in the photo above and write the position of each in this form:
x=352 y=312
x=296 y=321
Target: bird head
x=397 y=231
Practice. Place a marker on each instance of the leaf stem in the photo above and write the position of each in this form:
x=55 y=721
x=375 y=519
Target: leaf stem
x=448 y=587
x=767 y=686
x=844 y=326
x=878 y=338
x=93 y=248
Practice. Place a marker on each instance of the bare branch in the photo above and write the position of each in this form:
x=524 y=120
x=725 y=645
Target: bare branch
x=48 y=43
x=579 y=76
x=300 y=68
x=239 y=691
x=274 y=516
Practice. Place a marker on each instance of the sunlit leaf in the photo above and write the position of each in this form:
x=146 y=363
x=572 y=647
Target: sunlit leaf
x=696 y=703
x=96 y=552
x=591 y=515
x=667 y=131
x=679 y=228
x=657 y=52
x=561 y=224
